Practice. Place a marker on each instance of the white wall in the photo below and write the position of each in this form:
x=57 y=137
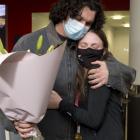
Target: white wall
x=121 y=44
x=39 y=20
x=118 y=38
x=110 y=36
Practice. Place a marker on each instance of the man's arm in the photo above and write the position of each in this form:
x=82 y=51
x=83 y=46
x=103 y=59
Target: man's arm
x=112 y=73
x=6 y=123
x=121 y=76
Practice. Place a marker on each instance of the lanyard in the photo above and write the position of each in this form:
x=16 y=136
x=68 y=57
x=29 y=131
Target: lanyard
x=77 y=134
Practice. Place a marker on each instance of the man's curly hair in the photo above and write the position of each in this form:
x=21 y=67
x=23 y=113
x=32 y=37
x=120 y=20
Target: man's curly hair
x=73 y=8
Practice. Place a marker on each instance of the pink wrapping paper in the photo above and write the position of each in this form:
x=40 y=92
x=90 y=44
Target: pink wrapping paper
x=26 y=81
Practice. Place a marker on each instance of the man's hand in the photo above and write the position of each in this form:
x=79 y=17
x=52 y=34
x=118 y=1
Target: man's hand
x=99 y=76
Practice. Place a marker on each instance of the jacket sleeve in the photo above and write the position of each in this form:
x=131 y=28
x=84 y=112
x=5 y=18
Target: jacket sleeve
x=93 y=115
x=26 y=42
x=6 y=123
x=121 y=76
x=19 y=46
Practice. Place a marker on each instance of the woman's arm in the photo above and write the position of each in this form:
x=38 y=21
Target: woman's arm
x=96 y=108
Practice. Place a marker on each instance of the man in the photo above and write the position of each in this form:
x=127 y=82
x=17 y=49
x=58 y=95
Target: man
x=70 y=20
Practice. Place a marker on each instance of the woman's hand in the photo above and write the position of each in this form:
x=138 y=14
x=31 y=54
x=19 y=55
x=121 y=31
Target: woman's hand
x=99 y=76
x=24 y=128
x=54 y=100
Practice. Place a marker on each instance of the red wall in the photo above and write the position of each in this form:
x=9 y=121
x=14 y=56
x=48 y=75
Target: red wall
x=19 y=14
x=116 y=5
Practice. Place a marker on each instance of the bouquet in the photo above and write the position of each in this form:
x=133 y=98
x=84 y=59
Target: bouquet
x=27 y=80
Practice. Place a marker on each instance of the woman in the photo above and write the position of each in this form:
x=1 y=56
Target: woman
x=98 y=111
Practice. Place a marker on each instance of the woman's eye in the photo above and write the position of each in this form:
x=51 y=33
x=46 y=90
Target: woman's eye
x=83 y=46
x=95 y=46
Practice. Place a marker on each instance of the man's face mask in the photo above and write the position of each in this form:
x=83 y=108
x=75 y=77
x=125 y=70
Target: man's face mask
x=74 y=29
x=86 y=56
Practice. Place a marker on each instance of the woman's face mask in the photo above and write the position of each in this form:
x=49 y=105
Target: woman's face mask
x=86 y=56
x=74 y=29
x=90 y=49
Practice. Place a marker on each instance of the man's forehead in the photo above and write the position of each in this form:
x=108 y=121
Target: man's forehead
x=88 y=14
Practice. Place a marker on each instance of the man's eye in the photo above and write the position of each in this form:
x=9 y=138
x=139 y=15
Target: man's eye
x=79 y=18
x=88 y=24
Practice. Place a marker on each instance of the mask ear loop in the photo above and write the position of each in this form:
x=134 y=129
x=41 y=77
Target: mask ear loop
x=105 y=54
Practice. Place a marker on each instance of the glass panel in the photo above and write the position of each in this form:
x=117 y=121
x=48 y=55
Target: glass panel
x=3 y=24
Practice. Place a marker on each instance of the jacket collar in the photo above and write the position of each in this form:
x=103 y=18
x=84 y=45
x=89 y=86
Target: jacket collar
x=51 y=31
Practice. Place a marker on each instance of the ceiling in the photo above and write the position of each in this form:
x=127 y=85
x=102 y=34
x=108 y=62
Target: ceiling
x=117 y=23
x=41 y=19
